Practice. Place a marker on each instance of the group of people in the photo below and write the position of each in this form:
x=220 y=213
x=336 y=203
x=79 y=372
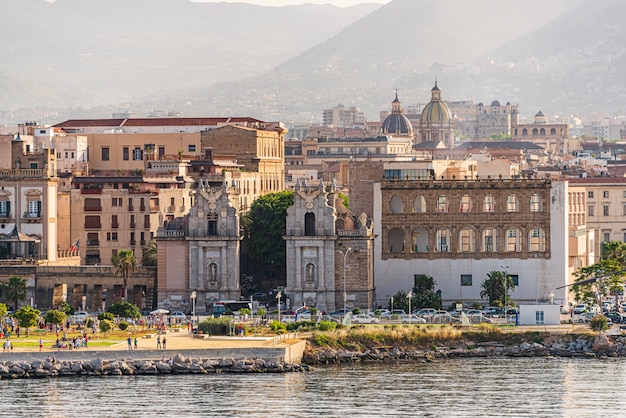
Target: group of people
x=7 y=346
x=161 y=343
x=71 y=343
x=132 y=342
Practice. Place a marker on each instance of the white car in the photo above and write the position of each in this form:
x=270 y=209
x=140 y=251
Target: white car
x=364 y=319
x=179 y=316
x=413 y=319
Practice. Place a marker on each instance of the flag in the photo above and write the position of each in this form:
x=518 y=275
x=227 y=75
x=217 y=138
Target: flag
x=75 y=245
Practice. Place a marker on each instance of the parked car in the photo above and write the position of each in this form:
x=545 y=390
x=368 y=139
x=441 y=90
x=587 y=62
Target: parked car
x=580 y=308
x=364 y=319
x=413 y=319
x=395 y=314
x=179 y=316
x=615 y=317
x=79 y=317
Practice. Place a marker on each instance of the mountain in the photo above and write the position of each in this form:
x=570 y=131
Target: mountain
x=87 y=53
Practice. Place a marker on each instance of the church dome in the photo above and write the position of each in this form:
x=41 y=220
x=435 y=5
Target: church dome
x=397 y=123
x=495 y=103
x=436 y=112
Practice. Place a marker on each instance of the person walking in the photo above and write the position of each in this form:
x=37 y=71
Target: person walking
x=158 y=342
x=135 y=343
x=40 y=344
x=130 y=343
x=164 y=342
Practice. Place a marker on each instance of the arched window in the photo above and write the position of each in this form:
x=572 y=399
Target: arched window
x=535 y=203
x=396 y=204
x=466 y=204
x=513 y=240
x=443 y=240
x=524 y=132
x=536 y=240
x=419 y=241
x=542 y=131
x=553 y=131
x=489 y=240
x=511 y=203
x=442 y=204
x=419 y=204
x=309 y=224
x=489 y=204
x=466 y=240
x=535 y=132
x=395 y=240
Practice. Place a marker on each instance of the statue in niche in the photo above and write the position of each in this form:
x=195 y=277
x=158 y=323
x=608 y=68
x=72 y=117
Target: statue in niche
x=212 y=273
x=310 y=273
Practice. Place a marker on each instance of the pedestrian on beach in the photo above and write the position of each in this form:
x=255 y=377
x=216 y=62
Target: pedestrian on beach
x=130 y=343
x=40 y=344
x=135 y=343
x=158 y=342
x=164 y=343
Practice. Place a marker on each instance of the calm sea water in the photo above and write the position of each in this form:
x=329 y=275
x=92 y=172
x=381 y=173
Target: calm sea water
x=455 y=388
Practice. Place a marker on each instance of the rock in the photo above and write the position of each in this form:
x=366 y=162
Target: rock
x=602 y=343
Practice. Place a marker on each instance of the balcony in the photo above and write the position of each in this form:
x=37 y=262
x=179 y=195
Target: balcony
x=155 y=208
x=5 y=217
x=93 y=225
x=142 y=208
x=171 y=209
x=93 y=243
x=146 y=225
x=91 y=191
x=131 y=208
x=133 y=225
x=142 y=242
x=133 y=242
x=31 y=217
x=115 y=225
x=93 y=208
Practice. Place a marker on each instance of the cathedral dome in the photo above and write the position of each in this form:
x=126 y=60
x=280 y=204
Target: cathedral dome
x=436 y=112
x=397 y=123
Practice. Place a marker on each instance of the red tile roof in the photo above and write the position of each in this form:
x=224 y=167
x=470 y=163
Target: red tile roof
x=75 y=123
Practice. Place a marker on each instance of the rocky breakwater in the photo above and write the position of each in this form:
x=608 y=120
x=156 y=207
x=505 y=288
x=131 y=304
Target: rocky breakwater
x=564 y=346
x=177 y=365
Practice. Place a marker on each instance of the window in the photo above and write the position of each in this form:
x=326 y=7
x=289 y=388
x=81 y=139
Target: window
x=537 y=240
x=606 y=237
x=161 y=152
x=114 y=223
x=513 y=240
x=489 y=205
x=515 y=279
x=419 y=205
x=442 y=238
x=535 y=203
x=466 y=279
x=111 y=236
x=105 y=154
x=309 y=224
x=511 y=203
x=466 y=204
x=191 y=148
x=539 y=317
x=137 y=154
x=489 y=240
x=624 y=194
x=5 y=209
x=466 y=241
x=34 y=166
x=624 y=209
x=590 y=195
x=396 y=205
x=605 y=210
x=212 y=224
x=125 y=154
x=590 y=210
x=605 y=194
x=34 y=208
x=442 y=204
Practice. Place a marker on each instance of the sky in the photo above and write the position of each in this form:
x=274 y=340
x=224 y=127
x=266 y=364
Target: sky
x=339 y=3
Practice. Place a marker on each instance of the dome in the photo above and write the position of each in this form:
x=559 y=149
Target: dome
x=397 y=124
x=436 y=111
x=495 y=103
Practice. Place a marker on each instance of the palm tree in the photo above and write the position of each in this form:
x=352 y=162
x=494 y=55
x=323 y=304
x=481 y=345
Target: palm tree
x=497 y=287
x=124 y=262
x=14 y=290
x=149 y=257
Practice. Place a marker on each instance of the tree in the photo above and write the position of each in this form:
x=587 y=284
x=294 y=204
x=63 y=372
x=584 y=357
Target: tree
x=55 y=317
x=264 y=226
x=606 y=277
x=424 y=295
x=124 y=262
x=497 y=288
x=149 y=255
x=400 y=301
x=27 y=317
x=14 y=290
x=3 y=310
x=124 y=310
x=106 y=326
x=66 y=308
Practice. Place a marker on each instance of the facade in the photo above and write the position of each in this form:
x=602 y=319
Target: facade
x=341 y=116
x=397 y=124
x=481 y=122
x=458 y=230
x=200 y=252
x=553 y=137
x=329 y=251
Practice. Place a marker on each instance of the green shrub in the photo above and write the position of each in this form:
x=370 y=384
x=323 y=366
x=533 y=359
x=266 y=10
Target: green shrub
x=356 y=311
x=106 y=315
x=89 y=323
x=327 y=325
x=215 y=326
x=322 y=339
x=275 y=325
x=599 y=323
x=477 y=305
x=261 y=312
x=123 y=325
x=106 y=325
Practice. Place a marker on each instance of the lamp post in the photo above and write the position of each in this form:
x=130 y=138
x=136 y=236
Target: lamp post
x=345 y=295
x=278 y=296
x=409 y=296
x=193 y=305
x=505 y=283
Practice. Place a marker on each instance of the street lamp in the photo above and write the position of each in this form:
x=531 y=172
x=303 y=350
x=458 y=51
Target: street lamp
x=345 y=295
x=193 y=305
x=278 y=296
x=409 y=296
x=505 y=276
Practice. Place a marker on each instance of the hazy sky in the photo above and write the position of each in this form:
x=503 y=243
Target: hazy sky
x=340 y=3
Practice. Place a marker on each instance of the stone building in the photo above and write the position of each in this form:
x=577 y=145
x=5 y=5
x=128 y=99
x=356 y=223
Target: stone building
x=329 y=251
x=200 y=252
x=436 y=123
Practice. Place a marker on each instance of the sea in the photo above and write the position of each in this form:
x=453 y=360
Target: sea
x=477 y=387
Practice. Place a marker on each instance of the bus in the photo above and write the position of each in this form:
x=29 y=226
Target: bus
x=229 y=307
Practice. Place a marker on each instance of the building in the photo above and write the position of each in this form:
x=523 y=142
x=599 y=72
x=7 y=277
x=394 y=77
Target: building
x=200 y=252
x=436 y=123
x=329 y=263
x=341 y=116
x=553 y=137
x=397 y=124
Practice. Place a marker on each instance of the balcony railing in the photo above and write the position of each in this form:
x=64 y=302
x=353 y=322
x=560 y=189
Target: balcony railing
x=133 y=225
x=93 y=208
x=142 y=208
x=5 y=216
x=131 y=208
x=91 y=191
x=31 y=217
x=93 y=243
x=142 y=242
x=93 y=226
x=115 y=225
x=146 y=225
x=171 y=209
x=155 y=208
x=133 y=242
